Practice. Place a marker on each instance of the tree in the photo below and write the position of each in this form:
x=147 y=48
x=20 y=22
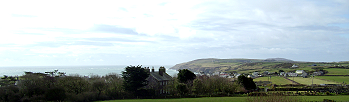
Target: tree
x=281 y=71
x=199 y=87
x=134 y=78
x=74 y=84
x=99 y=85
x=182 y=88
x=185 y=75
x=55 y=94
x=114 y=87
x=246 y=82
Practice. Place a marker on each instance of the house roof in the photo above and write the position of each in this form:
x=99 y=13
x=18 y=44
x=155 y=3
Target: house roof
x=158 y=77
x=299 y=71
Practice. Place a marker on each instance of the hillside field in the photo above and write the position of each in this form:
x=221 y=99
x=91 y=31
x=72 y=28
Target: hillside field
x=338 y=79
x=274 y=79
x=308 y=81
x=337 y=71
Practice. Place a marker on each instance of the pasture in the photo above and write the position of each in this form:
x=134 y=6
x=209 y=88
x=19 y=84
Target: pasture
x=337 y=71
x=308 y=81
x=338 y=79
x=274 y=79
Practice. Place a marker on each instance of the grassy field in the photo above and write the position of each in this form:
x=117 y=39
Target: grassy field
x=308 y=81
x=228 y=99
x=274 y=79
x=337 y=71
x=339 y=79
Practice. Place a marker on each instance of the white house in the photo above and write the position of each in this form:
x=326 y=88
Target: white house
x=294 y=66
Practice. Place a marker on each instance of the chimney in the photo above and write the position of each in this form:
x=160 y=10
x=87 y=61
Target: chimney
x=152 y=70
x=147 y=70
x=162 y=70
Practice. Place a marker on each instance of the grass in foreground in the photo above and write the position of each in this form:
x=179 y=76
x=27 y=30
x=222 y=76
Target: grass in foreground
x=308 y=81
x=231 y=99
x=203 y=99
x=274 y=79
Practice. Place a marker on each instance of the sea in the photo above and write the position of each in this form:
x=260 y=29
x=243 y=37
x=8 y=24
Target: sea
x=76 y=70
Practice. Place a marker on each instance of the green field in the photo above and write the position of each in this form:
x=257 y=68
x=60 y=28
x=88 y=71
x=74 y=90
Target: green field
x=338 y=79
x=274 y=79
x=308 y=81
x=337 y=71
x=228 y=99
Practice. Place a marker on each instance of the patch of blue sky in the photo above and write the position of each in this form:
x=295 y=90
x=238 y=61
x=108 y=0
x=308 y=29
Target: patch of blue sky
x=344 y=35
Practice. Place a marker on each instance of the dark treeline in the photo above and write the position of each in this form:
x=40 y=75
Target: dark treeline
x=56 y=86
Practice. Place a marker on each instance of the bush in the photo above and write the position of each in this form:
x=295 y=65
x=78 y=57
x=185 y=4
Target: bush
x=55 y=94
x=328 y=100
x=257 y=94
x=9 y=93
x=83 y=97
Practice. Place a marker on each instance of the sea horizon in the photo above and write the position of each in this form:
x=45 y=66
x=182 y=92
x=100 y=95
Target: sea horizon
x=83 y=70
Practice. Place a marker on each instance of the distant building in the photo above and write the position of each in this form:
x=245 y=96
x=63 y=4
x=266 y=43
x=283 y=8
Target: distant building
x=294 y=66
x=237 y=75
x=292 y=74
x=300 y=72
x=304 y=75
x=282 y=73
x=313 y=65
x=251 y=76
x=266 y=73
x=318 y=73
x=255 y=74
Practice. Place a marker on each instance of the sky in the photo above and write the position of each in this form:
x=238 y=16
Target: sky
x=168 y=32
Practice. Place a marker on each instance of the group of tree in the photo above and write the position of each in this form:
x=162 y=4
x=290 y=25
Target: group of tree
x=247 y=83
x=54 y=86
x=45 y=87
x=187 y=83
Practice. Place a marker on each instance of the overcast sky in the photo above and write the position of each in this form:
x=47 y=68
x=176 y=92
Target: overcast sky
x=147 y=32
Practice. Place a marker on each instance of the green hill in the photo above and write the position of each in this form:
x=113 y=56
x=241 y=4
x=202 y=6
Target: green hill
x=211 y=65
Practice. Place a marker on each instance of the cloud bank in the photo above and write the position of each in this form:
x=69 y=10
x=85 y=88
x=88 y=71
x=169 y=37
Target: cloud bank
x=166 y=32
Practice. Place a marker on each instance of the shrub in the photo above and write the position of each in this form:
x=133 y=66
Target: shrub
x=257 y=94
x=55 y=94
